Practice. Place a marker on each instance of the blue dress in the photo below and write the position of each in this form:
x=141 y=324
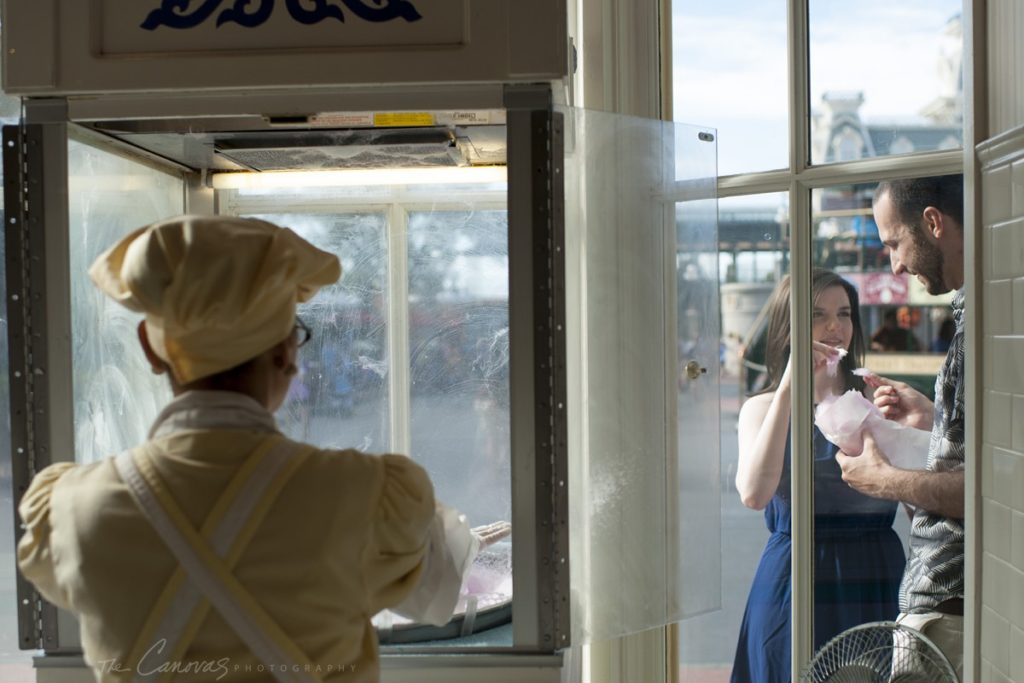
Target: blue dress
x=858 y=564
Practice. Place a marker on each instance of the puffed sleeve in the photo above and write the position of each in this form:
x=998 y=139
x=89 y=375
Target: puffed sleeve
x=399 y=535
x=35 y=557
x=423 y=557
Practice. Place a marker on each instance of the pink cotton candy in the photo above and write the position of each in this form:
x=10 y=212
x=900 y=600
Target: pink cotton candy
x=832 y=362
x=844 y=419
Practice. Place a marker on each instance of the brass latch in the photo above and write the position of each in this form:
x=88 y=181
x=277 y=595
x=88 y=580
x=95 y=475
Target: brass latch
x=694 y=370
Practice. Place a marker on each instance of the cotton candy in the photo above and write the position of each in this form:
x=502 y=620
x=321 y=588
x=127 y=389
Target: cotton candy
x=844 y=419
x=832 y=362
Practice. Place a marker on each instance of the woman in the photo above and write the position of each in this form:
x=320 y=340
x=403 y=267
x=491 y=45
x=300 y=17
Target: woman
x=218 y=549
x=858 y=558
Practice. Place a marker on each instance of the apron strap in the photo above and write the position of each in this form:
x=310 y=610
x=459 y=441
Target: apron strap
x=203 y=559
x=180 y=609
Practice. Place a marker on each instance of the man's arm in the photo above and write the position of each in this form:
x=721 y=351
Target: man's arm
x=941 y=493
x=871 y=473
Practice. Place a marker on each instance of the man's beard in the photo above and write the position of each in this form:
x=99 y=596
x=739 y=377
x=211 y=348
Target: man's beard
x=930 y=263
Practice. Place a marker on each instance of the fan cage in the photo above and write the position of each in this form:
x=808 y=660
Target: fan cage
x=879 y=652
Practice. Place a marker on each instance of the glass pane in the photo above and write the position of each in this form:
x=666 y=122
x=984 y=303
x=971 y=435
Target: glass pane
x=743 y=90
x=458 y=341
x=642 y=304
x=902 y=323
x=752 y=242
x=885 y=79
x=116 y=394
x=340 y=397
x=859 y=541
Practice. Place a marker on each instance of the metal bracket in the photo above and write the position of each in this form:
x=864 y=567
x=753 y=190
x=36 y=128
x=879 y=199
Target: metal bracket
x=551 y=284
x=541 y=619
x=36 y=243
x=18 y=252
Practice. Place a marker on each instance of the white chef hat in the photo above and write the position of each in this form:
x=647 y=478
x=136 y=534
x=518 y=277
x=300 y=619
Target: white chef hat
x=216 y=290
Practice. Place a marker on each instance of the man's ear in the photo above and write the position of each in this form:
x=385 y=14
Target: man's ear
x=156 y=362
x=935 y=221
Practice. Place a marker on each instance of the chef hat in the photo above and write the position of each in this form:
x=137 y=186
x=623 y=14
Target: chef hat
x=216 y=290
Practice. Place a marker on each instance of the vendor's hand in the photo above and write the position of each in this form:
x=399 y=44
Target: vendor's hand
x=868 y=472
x=489 y=534
x=900 y=402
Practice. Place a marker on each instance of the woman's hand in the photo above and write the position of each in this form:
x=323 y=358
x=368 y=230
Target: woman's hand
x=821 y=354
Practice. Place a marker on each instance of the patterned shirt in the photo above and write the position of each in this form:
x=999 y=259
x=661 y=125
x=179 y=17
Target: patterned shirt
x=935 y=569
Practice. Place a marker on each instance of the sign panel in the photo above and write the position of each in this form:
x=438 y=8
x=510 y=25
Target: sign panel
x=880 y=288
x=131 y=27
x=96 y=47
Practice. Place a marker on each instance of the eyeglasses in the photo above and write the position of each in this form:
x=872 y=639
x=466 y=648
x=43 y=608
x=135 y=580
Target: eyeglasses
x=302 y=333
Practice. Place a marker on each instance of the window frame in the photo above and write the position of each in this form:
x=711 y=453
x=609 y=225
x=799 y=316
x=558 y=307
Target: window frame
x=800 y=179
x=534 y=203
x=395 y=207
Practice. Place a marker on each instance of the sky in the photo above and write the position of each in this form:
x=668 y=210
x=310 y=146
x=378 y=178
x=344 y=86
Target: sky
x=730 y=66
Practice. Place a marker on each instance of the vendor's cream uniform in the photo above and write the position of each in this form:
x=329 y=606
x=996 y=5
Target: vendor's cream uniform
x=346 y=537
x=218 y=550
x=286 y=551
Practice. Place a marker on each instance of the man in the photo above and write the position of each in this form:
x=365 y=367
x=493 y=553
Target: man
x=921 y=222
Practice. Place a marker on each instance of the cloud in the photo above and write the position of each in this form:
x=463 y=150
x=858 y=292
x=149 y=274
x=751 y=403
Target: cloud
x=728 y=65
x=731 y=59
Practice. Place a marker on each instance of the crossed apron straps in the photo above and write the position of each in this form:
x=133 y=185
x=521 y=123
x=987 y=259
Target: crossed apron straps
x=206 y=559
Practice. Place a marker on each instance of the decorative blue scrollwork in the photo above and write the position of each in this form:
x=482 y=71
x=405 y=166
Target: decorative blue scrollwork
x=321 y=10
x=239 y=14
x=174 y=13
x=177 y=14
x=384 y=10
x=367 y=10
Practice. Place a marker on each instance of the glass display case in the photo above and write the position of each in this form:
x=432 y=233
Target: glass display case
x=529 y=308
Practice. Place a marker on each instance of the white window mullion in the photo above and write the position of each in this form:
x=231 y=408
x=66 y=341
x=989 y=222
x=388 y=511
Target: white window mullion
x=802 y=402
x=802 y=480
x=872 y=169
x=398 y=330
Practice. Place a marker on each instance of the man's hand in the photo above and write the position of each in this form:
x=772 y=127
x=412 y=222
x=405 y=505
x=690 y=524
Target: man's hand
x=871 y=473
x=900 y=402
x=489 y=534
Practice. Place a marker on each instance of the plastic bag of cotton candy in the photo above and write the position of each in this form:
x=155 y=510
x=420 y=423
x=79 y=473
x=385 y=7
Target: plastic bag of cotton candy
x=843 y=420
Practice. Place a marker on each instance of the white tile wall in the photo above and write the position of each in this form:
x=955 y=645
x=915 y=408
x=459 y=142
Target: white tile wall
x=996 y=420
x=999 y=297
x=1017 y=540
x=1005 y=28
x=1018 y=296
x=1017 y=428
x=1002 y=423
x=995 y=640
x=997 y=520
x=1016 y=653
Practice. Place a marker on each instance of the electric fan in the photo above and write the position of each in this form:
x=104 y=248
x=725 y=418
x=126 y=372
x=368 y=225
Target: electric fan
x=879 y=652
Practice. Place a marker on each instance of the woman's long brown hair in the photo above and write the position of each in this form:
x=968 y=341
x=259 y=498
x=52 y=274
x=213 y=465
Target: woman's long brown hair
x=778 y=344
